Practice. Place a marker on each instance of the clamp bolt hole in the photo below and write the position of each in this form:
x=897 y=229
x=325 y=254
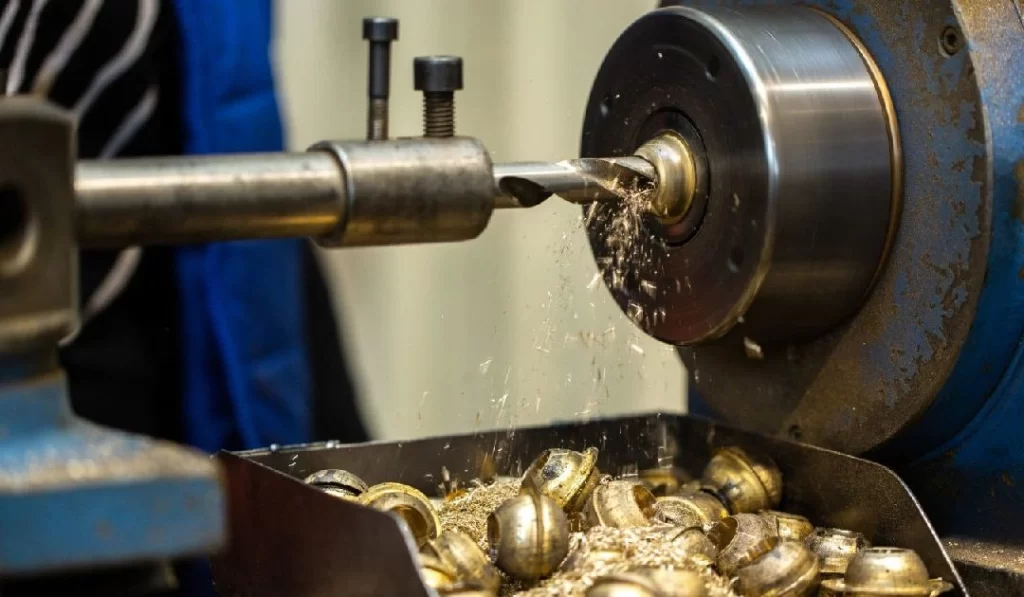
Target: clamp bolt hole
x=15 y=231
x=735 y=259
x=713 y=68
x=950 y=42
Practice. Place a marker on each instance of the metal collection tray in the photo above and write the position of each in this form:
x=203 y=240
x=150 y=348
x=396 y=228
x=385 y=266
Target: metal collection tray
x=289 y=539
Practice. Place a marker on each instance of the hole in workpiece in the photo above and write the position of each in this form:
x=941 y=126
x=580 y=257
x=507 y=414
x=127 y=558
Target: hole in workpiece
x=950 y=41
x=607 y=104
x=795 y=433
x=418 y=526
x=735 y=259
x=714 y=66
x=645 y=500
x=17 y=241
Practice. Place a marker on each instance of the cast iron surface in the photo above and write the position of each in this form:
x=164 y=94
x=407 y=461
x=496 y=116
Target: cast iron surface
x=951 y=289
x=271 y=510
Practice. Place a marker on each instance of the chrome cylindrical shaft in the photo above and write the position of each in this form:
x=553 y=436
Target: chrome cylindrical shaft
x=207 y=198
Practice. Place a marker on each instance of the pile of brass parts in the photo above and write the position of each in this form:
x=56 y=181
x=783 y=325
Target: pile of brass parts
x=566 y=529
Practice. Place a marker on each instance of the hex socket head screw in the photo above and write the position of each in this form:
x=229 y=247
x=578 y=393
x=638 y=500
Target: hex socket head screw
x=380 y=32
x=438 y=77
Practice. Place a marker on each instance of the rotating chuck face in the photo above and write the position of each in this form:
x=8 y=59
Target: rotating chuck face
x=794 y=157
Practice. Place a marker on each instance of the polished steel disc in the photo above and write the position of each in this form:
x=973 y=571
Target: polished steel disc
x=796 y=154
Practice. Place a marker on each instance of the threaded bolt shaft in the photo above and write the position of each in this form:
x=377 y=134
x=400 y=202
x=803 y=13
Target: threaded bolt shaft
x=438 y=77
x=439 y=114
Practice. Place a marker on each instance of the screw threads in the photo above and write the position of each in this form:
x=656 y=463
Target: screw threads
x=438 y=114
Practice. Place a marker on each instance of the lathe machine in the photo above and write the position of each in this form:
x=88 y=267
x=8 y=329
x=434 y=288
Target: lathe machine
x=820 y=202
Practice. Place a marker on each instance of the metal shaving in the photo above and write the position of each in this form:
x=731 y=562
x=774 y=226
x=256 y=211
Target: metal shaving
x=468 y=512
x=606 y=550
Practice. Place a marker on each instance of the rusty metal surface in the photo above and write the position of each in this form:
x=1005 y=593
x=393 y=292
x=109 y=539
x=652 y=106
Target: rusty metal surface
x=860 y=386
x=292 y=523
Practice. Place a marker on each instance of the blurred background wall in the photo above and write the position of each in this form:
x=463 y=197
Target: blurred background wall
x=512 y=328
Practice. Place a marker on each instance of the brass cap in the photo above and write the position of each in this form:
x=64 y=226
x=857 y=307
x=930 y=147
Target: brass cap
x=678 y=511
x=788 y=570
x=435 y=573
x=836 y=547
x=649 y=582
x=337 y=482
x=887 y=571
x=457 y=550
x=791 y=527
x=566 y=476
x=708 y=508
x=745 y=482
x=620 y=504
x=529 y=536
x=411 y=506
x=741 y=539
x=676 y=175
x=668 y=480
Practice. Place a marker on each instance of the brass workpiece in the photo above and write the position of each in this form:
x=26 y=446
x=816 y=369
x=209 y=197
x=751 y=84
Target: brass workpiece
x=675 y=510
x=744 y=482
x=790 y=526
x=622 y=503
x=436 y=574
x=664 y=481
x=835 y=548
x=516 y=536
x=695 y=543
x=741 y=539
x=411 y=506
x=337 y=482
x=528 y=536
x=708 y=508
x=886 y=572
x=788 y=570
x=566 y=476
x=462 y=554
x=649 y=582
x=676 y=175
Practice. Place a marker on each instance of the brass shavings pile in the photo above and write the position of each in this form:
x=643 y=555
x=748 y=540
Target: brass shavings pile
x=468 y=512
x=608 y=550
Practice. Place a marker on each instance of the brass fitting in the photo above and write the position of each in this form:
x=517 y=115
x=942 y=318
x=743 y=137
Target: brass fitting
x=649 y=582
x=744 y=482
x=663 y=481
x=677 y=511
x=435 y=573
x=411 y=506
x=889 y=572
x=836 y=547
x=528 y=536
x=693 y=542
x=791 y=527
x=566 y=476
x=462 y=554
x=741 y=539
x=708 y=508
x=337 y=482
x=788 y=570
x=620 y=504
x=676 y=176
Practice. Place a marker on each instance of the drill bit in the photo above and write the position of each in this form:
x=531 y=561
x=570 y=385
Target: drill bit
x=584 y=180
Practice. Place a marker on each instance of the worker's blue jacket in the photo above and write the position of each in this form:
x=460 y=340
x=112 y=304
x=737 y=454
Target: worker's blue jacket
x=246 y=376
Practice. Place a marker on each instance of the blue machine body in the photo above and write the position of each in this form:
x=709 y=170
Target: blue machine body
x=74 y=495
